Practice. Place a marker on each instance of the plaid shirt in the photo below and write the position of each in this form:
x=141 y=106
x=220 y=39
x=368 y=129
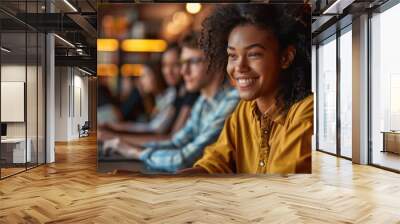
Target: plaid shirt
x=202 y=128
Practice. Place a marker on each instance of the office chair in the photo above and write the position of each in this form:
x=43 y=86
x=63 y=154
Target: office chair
x=84 y=130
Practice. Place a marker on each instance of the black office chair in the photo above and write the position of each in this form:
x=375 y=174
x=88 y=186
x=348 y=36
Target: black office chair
x=84 y=130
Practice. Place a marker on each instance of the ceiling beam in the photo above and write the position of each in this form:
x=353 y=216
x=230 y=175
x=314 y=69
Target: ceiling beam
x=84 y=24
x=83 y=61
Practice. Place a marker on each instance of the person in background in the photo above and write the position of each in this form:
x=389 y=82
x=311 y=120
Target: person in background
x=151 y=82
x=172 y=106
x=217 y=100
x=107 y=110
x=265 y=50
x=184 y=99
x=135 y=105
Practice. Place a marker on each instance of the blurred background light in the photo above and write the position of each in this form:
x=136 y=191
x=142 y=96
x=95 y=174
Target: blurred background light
x=131 y=69
x=143 y=45
x=180 y=18
x=107 y=69
x=107 y=45
x=193 y=8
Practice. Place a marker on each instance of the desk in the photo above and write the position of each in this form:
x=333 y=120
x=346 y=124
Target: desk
x=126 y=167
x=13 y=150
x=391 y=141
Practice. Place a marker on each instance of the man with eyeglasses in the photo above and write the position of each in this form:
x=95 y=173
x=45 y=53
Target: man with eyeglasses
x=216 y=102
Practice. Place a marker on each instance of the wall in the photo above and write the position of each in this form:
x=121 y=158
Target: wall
x=17 y=73
x=71 y=102
x=61 y=103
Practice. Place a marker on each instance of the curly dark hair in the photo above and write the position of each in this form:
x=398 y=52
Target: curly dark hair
x=289 y=23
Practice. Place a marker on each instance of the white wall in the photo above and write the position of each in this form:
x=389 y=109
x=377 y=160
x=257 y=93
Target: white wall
x=61 y=103
x=33 y=127
x=81 y=82
x=71 y=93
x=15 y=73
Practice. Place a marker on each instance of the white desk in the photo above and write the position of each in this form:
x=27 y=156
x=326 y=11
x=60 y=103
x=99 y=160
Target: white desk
x=17 y=146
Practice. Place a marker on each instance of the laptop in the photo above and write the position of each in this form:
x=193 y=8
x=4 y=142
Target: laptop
x=111 y=162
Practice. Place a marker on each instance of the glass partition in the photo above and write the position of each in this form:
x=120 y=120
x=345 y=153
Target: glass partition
x=14 y=150
x=41 y=96
x=31 y=97
x=22 y=89
x=346 y=93
x=327 y=95
x=385 y=89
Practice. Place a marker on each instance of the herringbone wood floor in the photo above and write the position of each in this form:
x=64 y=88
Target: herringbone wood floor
x=70 y=191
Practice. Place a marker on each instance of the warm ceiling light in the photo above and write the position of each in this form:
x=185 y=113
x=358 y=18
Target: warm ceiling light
x=70 y=5
x=107 y=45
x=143 y=45
x=131 y=69
x=107 y=69
x=5 y=50
x=172 y=29
x=193 y=8
x=65 y=41
x=180 y=18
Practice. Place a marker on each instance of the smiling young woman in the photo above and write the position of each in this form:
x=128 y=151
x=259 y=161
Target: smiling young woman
x=265 y=51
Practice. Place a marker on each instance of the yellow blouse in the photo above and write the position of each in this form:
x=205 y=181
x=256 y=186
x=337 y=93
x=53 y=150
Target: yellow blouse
x=274 y=143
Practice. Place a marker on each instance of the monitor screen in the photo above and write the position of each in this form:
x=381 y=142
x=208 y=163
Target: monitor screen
x=3 y=129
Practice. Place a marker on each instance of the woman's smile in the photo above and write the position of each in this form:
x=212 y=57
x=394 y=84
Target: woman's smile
x=245 y=83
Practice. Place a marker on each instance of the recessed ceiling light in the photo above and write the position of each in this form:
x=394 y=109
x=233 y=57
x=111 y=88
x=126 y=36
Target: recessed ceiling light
x=84 y=71
x=337 y=7
x=65 y=41
x=70 y=5
x=5 y=49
